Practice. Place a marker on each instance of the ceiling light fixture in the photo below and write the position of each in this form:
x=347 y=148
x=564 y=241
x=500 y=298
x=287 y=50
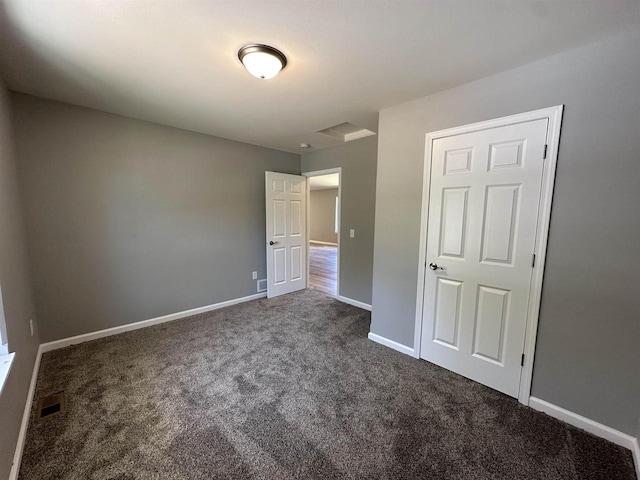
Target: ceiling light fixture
x=262 y=61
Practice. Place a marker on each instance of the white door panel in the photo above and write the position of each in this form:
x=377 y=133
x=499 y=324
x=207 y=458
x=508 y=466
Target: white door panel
x=483 y=206
x=286 y=233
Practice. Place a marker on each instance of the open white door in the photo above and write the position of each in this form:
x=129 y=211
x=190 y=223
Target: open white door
x=483 y=207
x=286 y=199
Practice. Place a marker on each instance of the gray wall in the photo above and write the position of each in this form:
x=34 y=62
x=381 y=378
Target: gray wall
x=322 y=214
x=358 y=182
x=588 y=348
x=16 y=292
x=129 y=220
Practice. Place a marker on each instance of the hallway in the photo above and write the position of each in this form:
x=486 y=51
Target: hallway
x=323 y=268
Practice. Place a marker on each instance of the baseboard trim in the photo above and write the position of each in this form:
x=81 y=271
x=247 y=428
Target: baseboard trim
x=355 y=303
x=591 y=426
x=636 y=455
x=391 y=344
x=87 y=337
x=26 y=415
x=65 y=342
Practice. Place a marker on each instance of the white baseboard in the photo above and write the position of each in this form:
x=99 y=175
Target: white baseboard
x=636 y=456
x=17 y=456
x=591 y=426
x=319 y=242
x=65 y=342
x=391 y=344
x=355 y=303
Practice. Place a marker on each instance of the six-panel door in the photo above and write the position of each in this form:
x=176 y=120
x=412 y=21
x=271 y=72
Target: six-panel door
x=286 y=233
x=483 y=207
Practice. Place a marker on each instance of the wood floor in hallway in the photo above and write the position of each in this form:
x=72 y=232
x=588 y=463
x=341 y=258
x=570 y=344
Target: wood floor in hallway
x=323 y=268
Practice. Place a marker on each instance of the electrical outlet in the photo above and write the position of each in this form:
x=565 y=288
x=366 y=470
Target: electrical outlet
x=352 y=233
x=31 y=326
x=255 y=275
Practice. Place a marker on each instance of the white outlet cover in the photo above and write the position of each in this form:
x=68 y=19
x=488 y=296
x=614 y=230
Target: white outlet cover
x=254 y=275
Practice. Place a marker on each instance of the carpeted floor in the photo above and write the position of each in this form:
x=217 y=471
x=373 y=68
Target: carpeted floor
x=288 y=388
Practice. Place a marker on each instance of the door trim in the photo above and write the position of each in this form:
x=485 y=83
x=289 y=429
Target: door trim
x=554 y=116
x=318 y=173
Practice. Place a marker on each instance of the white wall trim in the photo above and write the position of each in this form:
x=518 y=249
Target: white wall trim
x=391 y=344
x=326 y=171
x=319 y=242
x=591 y=426
x=26 y=415
x=318 y=173
x=355 y=303
x=554 y=114
x=65 y=342
x=636 y=455
x=554 y=117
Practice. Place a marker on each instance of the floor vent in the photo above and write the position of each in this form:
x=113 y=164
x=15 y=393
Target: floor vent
x=51 y=405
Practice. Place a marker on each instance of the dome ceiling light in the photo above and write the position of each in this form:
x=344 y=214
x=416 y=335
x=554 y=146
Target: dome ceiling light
x=262 y=61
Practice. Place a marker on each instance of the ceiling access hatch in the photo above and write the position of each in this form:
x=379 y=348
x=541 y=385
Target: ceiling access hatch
x=346 y=132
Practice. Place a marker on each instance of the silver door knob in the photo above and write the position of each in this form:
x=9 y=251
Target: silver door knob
x=434 y=266
x=273 y=243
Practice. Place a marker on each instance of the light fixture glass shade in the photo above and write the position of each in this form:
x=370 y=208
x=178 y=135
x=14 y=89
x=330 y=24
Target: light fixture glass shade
x=262 y=61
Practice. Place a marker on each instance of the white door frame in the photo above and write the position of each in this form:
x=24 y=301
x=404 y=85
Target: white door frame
x=319 y=173
x=554 y=115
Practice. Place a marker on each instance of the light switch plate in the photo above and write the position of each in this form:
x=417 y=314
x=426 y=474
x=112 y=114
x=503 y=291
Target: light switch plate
x=352 y=233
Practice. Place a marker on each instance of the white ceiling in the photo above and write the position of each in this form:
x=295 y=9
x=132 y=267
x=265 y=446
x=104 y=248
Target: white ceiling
x=324 y=182
x=175 y=63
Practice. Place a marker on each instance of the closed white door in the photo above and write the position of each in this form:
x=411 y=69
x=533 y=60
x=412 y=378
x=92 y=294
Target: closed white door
x=483 y=207
x=286 y=198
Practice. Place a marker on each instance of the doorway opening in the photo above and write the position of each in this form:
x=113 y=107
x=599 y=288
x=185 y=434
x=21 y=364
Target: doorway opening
x=323 y=230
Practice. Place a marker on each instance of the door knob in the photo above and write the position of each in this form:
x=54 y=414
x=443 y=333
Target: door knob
x=273 y=243
x=434 y=266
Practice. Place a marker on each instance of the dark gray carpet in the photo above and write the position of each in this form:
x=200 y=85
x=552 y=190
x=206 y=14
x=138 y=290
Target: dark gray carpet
x=288 y=388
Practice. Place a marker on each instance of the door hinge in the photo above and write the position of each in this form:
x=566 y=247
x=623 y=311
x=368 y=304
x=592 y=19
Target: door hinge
x=533 y=261
x=544 y=155
x=522 y=360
